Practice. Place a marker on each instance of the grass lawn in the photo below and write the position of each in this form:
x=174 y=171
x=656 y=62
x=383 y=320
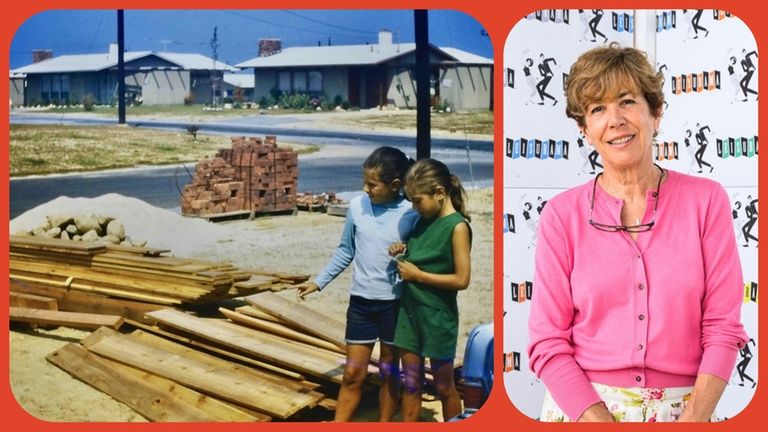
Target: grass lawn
x=36 y=149
x=480 y=122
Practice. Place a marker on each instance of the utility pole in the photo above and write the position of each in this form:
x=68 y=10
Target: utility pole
x=215 y=48
x=120 y=68
x=423 y=121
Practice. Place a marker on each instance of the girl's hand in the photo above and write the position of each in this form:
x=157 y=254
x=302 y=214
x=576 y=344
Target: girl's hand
x=408 y=271
x=396 y=248
x=304 y=289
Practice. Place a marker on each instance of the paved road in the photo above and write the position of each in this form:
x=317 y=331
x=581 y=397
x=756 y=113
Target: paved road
x=160 y=186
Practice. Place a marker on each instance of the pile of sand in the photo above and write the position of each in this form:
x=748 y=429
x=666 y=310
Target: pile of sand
x=143 y=222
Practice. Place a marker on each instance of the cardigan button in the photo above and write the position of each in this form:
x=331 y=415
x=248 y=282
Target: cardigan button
x=641 y=317
x=638 y=378
x=640 y=347
x=641 y=286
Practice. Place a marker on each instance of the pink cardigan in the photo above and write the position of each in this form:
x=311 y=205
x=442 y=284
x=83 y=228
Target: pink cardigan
x=650 y=313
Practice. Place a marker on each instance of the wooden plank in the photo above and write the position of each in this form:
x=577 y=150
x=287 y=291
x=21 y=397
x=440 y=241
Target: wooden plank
x=285 y=277
x=66 y=319
x=257 y=281
x=295 y=356
x=300 y=316
x=154 y=397
x=68 y=246
x=258 y=313
x=73 y=284
x=183 y=339
x=160 y=342
x=231 y=386
x=136 y=281
x=278 y=329
x=329 y=404
x=22 y=300
x=137 y=250
x=78 y=301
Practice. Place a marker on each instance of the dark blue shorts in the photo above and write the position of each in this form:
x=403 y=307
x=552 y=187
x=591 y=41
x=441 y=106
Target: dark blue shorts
x=371 y=320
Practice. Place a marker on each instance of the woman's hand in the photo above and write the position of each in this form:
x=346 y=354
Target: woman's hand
x=408 y=271
x=705 y=395
x=396 y=248
x=304 y=289
x=596 y=413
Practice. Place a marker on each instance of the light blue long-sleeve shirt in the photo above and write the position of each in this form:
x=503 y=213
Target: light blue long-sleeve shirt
x=368 y=232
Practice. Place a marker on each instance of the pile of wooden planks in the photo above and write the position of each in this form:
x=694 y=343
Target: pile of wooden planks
x=236 y=368
x=138 y=274
x=167 y=381
x=251 y=176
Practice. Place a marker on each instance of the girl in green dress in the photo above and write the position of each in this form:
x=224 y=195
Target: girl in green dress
x=435 y=265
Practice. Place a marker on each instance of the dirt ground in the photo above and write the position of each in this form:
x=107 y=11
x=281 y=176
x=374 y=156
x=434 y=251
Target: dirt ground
x=299 y=244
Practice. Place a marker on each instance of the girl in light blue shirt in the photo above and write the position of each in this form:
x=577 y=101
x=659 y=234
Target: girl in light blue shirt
x=375 y=220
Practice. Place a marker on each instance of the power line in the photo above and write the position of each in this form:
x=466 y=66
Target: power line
x=284 y=26
x=327 y=24
x=95 y=33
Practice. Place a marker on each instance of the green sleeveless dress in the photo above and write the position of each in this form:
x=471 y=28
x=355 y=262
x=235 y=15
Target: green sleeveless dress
x=428 y=321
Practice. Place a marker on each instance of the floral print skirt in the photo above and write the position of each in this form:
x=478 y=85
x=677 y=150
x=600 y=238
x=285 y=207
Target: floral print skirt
x=633 y=404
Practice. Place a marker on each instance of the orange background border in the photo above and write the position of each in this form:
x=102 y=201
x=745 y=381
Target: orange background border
x=498 y=19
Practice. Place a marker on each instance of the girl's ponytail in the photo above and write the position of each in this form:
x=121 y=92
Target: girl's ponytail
x=458 y=197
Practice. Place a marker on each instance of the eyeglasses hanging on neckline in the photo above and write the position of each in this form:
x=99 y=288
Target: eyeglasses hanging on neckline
x=628 y=228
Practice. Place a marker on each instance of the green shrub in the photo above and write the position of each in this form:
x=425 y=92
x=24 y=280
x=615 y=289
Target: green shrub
x=294 y=100
x=189 y=99
x=275 y=93
x=88 y=102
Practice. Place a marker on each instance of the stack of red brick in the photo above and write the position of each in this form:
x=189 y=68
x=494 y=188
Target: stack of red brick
x=251 y=176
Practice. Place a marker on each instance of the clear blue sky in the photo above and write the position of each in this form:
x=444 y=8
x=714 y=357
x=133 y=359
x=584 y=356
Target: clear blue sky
x=91 y=31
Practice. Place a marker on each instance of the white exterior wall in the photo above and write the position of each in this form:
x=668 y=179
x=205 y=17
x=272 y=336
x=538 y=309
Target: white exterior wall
x=17 y=91
x=162 y=87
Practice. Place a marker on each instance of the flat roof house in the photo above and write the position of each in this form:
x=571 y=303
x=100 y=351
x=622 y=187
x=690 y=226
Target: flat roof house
x=373 y=75
x=152 y=78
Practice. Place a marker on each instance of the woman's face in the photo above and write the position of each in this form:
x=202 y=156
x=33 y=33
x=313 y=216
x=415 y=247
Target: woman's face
x=621 y=130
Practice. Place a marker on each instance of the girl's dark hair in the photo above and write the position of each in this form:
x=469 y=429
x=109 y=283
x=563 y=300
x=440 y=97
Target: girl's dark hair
x=391 y=163
x=427 y=174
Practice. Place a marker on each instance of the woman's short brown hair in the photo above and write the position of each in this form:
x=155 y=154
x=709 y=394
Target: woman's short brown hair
x=603 y=73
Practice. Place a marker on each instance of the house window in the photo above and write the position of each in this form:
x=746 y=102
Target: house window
x=64 y=90
x=315 y=79
x=54 y=88
x=284 y=81
x=300 y=81
x=45 y=88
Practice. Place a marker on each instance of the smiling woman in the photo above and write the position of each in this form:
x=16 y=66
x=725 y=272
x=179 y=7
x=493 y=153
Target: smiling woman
x=593 y=279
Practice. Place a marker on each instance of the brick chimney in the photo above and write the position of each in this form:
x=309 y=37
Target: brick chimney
x=267 y=47
x=40 y=55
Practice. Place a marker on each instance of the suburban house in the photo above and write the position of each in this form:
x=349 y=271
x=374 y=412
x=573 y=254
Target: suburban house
x=373 y=75
x=151 y=78
x=233 y=82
